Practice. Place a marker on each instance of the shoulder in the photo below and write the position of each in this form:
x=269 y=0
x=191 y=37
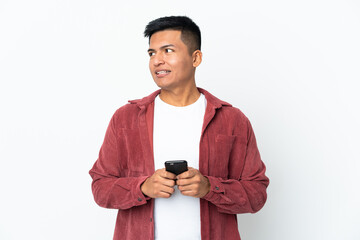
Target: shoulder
x=223 y=108
x=125 y=116
x=129 y=108
x=234 y=112
x=234 y=116
x=132 y=109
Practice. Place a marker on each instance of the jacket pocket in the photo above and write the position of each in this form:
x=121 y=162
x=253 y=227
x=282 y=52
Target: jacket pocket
x=134 y=150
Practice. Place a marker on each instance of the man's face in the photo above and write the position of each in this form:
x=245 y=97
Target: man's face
x=170 y=64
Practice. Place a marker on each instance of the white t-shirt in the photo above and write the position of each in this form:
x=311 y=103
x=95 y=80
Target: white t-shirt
x=177 y=132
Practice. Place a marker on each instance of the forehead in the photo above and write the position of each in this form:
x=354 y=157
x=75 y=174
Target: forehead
x=166 y=37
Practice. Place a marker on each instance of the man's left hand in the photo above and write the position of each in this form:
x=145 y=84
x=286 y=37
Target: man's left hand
x=192 y=183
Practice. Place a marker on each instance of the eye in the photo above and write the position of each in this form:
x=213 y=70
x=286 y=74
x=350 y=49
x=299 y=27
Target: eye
x=168 y=50
x=151 y=54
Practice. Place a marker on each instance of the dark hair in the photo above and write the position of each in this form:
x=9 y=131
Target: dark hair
x=190 y=32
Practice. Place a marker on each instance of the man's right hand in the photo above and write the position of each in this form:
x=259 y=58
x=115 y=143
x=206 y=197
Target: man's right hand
x=159 y=185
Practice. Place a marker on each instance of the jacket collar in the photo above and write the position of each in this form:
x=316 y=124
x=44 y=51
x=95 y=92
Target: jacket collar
x=210 y=99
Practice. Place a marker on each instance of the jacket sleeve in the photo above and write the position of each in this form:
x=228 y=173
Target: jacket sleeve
x=110 y=188
x=245 y=189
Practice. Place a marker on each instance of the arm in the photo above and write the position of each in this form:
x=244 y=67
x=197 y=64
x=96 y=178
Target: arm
x=245 y=189
x=110 y=187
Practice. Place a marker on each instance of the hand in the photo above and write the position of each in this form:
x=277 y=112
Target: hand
x=159 y=185
x=193 y=183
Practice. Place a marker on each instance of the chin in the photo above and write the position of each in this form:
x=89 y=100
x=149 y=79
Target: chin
x=162 y=84
x=164 y=87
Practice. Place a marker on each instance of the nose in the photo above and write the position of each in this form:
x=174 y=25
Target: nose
x=158 y=59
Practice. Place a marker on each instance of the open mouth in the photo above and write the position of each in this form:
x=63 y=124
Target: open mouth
x=162 y=73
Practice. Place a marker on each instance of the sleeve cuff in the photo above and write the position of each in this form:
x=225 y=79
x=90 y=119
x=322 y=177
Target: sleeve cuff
x=138 y=195
x=216 y=188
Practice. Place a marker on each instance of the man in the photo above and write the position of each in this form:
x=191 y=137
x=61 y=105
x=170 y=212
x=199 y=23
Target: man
x=180 y=121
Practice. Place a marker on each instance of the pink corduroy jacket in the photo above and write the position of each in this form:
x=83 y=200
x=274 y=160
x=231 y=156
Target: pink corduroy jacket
x=228 y=157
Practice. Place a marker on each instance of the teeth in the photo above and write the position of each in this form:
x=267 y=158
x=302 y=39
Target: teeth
x=162 y=72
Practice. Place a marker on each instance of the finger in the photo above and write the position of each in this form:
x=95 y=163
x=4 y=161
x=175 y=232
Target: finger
x=163 y=195
x=188 y=174
x=189 y=193
x=185 y=188
x=168 y=190
x=162 y=191
x=164 y=181
x=168 y=175
x=183 y=182
x=168 y=182
x=158 y=171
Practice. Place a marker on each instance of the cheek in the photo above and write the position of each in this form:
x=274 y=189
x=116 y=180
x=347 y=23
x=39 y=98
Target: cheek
x=176 y=63
x=171 y=61
x=185 y=67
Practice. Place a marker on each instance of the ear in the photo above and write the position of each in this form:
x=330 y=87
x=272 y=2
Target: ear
x=197 y=58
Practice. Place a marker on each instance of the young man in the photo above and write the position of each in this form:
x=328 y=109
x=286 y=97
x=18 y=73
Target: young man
x=180 y=121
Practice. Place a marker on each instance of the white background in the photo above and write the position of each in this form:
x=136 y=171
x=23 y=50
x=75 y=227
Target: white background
x=291 y=66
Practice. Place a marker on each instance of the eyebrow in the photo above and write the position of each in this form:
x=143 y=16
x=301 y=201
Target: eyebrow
x=162 y=47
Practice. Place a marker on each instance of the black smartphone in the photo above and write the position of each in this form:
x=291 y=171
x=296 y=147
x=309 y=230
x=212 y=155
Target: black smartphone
x=176 y=166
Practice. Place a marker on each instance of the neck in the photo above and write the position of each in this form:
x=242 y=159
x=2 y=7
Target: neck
x=180 y=97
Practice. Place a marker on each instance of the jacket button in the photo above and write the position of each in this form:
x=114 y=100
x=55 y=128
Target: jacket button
x=139 y=199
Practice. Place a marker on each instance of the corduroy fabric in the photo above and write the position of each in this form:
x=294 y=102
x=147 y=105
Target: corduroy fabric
x=228 y=157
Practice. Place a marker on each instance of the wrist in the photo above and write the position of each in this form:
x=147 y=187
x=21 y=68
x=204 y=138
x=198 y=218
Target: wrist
x=208 y=185
x=143 y=187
